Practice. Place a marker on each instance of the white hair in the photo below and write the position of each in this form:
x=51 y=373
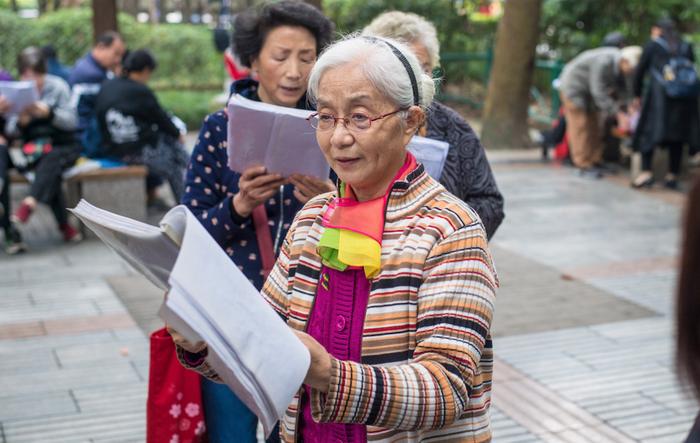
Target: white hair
x=382 y=67
x=407 y=27
x=631 y=54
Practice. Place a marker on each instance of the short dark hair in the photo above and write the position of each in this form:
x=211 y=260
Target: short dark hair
x=31 y=58
x=49 y=51
x=250 y=28
x=107 y=38
x=138 y=60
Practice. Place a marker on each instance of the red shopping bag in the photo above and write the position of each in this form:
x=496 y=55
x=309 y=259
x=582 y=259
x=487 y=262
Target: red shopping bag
x=174 y=412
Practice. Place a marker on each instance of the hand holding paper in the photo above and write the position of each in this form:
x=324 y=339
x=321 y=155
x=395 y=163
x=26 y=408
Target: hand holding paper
x=211 y=301
x=277 y=137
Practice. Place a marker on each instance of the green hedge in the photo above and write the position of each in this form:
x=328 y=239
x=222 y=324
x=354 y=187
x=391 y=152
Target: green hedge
x=186 y=55
x=190 y=106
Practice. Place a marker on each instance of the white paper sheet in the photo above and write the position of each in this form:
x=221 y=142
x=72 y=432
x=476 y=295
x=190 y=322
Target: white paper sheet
x=256 y=353
x=432 y=153
x=20 y=94
x=210 y=299
x=277 y=137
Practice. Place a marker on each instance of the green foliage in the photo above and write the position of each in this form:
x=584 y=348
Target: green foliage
x=185 y=53
x=571 y=26
x=456 y=32
x=190 y=106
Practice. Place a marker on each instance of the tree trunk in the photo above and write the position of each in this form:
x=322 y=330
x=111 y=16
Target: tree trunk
x=153 y=10
x=317 y=3
x=187 y=11
x=131 y=7
x=505 y=112
x=13 y=3
x=42 y=4
x=104 y=17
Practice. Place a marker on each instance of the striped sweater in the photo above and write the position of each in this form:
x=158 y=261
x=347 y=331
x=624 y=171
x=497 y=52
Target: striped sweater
x=427 y=360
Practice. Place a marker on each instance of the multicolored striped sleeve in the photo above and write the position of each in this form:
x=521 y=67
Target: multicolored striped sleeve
x=455 y=308
x=276 y=287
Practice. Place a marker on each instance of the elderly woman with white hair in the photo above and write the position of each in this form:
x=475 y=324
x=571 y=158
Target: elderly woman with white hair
x=388 y=280
x=467 y=173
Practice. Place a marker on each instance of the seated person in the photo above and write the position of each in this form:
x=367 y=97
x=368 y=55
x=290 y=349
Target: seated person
x=135 y=128
x=13 y=238
x=46 y=130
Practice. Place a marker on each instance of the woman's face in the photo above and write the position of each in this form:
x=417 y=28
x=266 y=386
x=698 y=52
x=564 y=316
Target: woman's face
x=423 y=57
x=284 y=63
x=30 y=75
x=366 y=160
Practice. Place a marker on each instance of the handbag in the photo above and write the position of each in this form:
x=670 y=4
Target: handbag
x=262 y=233
x=35 y=149
x=174 y=412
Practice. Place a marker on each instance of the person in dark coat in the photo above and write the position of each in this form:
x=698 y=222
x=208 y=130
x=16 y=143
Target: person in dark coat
x=135 y=129
x=467 y=173
x=667 y=122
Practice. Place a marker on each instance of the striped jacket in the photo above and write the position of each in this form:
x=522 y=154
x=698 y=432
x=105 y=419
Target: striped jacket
x=427 y=360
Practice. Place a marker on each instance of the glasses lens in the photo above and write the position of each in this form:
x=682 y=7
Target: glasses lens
x=324 y=121
x=359 y=121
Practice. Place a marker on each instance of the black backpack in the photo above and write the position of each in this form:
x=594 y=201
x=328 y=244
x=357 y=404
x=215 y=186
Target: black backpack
x=679 y=76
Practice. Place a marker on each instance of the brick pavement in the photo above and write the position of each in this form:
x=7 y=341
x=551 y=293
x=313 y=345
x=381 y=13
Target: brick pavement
x=583 y=328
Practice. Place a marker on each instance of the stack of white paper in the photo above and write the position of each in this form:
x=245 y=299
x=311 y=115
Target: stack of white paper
x=20 y=94
x=277 y=137
x=209 y=299
x=432 y=153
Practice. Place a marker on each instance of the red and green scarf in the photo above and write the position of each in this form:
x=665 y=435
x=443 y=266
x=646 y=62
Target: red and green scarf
x=353 y=234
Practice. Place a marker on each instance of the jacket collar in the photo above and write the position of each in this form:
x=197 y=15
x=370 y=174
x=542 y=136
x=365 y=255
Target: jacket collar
x=248 y=88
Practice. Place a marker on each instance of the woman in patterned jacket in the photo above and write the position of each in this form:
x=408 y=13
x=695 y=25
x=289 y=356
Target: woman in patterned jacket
x=388 y=281
x=467 y=173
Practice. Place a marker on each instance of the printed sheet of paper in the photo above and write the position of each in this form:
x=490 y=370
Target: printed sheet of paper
x=432 y=153
x=251 y=348
x=277 y=137
x=20 y=94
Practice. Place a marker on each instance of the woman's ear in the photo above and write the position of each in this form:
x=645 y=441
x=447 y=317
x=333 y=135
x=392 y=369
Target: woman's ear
x=414 y=119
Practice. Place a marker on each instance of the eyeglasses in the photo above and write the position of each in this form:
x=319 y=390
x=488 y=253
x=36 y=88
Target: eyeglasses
x=357 y=121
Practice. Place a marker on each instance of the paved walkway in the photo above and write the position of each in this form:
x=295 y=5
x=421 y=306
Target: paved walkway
x=583 y=329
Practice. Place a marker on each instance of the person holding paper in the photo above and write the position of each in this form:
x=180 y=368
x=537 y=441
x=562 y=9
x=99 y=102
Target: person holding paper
x=467 y=173
x=46 y=130
x=279 y=42
x=389 y=280
x=13 y=238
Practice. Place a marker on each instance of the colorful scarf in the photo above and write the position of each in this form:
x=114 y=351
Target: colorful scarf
x=353 y=234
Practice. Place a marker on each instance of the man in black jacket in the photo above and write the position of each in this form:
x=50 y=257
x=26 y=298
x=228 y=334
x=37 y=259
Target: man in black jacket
x=135 y=128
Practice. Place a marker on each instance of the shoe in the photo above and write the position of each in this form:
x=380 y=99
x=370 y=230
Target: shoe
x=157 y=204
x=592 y=173
x=13 y=241
x=643 y=181
x=606 y=169
x=22 y=213
x=671 y=182
x=70 y=234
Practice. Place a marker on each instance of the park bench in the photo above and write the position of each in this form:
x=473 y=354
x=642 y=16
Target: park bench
x=120 y=189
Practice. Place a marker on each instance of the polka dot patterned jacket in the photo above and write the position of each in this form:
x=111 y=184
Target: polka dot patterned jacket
x=210 y=186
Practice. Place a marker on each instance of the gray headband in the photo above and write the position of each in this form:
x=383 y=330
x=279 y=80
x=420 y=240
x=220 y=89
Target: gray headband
x=404 y=62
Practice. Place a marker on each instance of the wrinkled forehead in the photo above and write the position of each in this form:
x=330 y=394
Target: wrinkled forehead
x=348 y=85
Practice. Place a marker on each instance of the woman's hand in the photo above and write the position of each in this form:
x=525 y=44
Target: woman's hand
x=319 y=375
x=182 y=342
x=255 y=187
x=39 y=110
x=307 y=187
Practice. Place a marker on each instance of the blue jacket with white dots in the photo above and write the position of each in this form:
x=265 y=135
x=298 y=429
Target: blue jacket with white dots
x=210 y=186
